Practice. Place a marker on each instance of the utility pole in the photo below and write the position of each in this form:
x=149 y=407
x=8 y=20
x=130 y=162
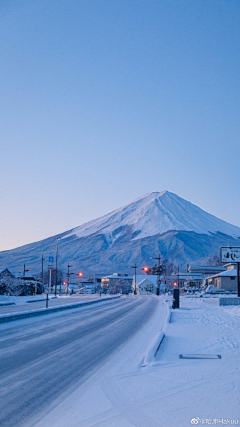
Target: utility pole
x=158 y=276
x=135 y=276
x=68 y=275
x=24 y=270
x=42 y=268
x=56 y=266
x=50 y=280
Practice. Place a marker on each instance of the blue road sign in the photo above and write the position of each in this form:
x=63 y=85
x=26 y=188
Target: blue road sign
x=50 y=259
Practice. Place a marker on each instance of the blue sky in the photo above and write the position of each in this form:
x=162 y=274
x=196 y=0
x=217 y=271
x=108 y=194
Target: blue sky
x=103 y=101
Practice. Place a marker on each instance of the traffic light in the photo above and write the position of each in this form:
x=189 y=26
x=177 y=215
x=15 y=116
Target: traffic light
x=175 y=284
x=146 y=269
x=80 y=274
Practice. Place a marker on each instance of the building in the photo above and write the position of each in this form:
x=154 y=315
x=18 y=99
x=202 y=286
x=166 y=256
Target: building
x=206 y=270
x=227 y=280
x=145 y=284
x=185 y=278
x=116 y=282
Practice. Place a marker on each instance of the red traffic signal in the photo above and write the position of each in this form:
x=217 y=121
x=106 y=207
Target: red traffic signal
x=80 y=274
x=175 y=284
x=146 y=269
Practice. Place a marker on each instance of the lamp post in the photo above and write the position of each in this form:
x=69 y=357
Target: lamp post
x=42 y=270
x=56 y=266
x=68 y=275
x=135 y=276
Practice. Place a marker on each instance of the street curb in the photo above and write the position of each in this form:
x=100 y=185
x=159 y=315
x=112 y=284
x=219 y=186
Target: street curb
x=157 y=341
x=10 y=317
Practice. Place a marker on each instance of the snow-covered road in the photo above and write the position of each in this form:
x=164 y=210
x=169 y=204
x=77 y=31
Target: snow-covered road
x=45 y=359
x=34 y=303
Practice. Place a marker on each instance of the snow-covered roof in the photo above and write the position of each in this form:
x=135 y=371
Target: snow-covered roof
x=151 y=277
x=227 y=273
x=118 y=277
x=6 y=273
x=185 y=275
x=146 y=281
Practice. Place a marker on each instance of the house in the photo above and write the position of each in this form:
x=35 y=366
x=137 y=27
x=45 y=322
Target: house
x=146 y=287
x=6 y=273
x=146 y=284
x=227 y=280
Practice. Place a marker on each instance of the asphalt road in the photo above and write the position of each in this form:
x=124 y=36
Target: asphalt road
x=52 y=302
x=44 y=359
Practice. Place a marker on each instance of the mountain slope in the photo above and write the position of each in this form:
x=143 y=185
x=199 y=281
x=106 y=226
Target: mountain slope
x=157 y=222
x=157 y=213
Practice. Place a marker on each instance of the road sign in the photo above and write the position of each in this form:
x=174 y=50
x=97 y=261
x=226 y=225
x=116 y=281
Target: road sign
x=50 y=259
x=230 y=254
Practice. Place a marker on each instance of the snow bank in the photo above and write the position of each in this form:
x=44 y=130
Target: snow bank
x=157 y=341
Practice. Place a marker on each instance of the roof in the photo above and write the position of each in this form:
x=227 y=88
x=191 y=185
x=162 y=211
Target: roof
x=145 y=281
x=6 y=273
x=114 y=276
x=185 y=275
x=227 y=273
x=151 y=277
x=206 y=269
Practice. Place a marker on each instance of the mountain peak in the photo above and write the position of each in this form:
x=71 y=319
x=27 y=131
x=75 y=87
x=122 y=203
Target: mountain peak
x=157 y=213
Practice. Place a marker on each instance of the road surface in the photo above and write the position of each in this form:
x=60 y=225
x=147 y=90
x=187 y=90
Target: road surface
x=52 y=302
x=44 y=359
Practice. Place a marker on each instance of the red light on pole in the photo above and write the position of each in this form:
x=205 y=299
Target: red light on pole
x=146 y=269
x=175 y=284
x=80 y=274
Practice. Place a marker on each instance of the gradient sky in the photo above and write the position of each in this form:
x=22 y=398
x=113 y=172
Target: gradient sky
x=103 y=101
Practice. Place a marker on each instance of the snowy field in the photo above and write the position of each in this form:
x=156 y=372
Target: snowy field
x=170 y=392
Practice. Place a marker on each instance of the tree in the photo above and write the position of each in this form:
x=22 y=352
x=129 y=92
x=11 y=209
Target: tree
x=124 y=286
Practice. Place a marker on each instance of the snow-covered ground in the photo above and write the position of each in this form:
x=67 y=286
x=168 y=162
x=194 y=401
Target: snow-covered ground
x=4 y=299
x=170 y=392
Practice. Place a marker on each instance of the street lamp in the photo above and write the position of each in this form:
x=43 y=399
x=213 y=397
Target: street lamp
x=135 y=274
x=58 y=238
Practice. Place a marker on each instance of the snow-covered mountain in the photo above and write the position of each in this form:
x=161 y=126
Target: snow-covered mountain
x=157 y=213
x=157 y=222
